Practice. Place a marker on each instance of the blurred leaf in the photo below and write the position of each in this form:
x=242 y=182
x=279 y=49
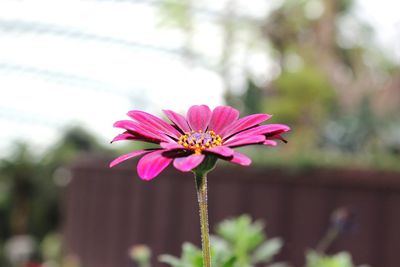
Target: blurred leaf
x=352 y=132
x=191 y=255
x=342 y=259
x=252 y=98
x=51 y=247
x=230 y=262
x=279 y=264
x=243 y=236
x=239 y=243
x=171 y=260
x=176 y=13
x=267 y=250
x=221 y=252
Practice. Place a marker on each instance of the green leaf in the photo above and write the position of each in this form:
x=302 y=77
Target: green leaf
x=342 y=259
x=279 y=264
x=191 y=256
x=230 y=262
x=267 y=250
x=243 y=236
x=171 y=260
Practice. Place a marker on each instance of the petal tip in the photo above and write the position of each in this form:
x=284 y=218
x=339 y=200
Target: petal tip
x=112 y=164
x=146 y=178
x=247 y=163
x=186 y=164
x=131 y=112
x=241 y=159
x=270 y=143
x=115 y=124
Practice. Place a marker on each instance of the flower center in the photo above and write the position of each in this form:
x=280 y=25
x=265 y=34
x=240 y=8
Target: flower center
x=198 y=141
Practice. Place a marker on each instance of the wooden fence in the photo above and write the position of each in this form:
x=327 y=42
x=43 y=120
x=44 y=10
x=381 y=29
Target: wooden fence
x=106 y=211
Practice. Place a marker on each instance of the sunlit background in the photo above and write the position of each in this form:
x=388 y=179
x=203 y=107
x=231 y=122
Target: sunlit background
x=70 y=68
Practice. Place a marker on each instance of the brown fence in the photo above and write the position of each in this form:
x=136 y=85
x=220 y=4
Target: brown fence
x=107 y=211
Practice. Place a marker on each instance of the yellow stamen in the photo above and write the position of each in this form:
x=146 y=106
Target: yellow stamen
x=199 y=141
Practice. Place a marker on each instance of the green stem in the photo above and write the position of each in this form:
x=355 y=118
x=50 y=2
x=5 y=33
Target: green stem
x=201 y=186
x=327 y=240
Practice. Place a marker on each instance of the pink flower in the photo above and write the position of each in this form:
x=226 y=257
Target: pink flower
x=189 y=140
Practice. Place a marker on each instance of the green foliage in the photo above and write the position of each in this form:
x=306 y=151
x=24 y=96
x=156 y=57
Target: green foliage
x=353 y=132
x=74 y=141
x=239 y=243
x=30 y=186
x=342 y=259
x=335 y=63
x=51 y=247
x=176 y=14
x=191 y=257
x=20 y=176
x=251 y=98
x=304 y=96
x=242 y=236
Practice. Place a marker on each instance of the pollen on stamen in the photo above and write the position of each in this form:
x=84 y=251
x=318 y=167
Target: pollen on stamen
x=198 y=141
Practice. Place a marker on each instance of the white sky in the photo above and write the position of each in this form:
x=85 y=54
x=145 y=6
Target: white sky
x=49 y=81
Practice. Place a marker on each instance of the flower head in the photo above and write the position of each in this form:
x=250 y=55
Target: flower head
x=189 y=140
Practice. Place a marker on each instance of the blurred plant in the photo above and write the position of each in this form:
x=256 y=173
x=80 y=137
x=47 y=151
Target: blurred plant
x=342 y=259
x=317 y=62
x=140 y=254
x=22 y=180
x=352 y=132
x=391 y=137
x=304 y=97
x=30 y=188
x=251 y=98
x=342 y=220
x=51 y=247
x=238 y=242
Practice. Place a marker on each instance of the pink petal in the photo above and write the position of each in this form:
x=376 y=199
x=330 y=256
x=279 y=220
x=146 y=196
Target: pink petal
x=130 y=136
x=244 y=123
x=223 y=151
x=123 y=136
x=276 y=129
x=154 y=122
x=270 y=143
x=150 y=165
x=171 y=146
x=142 y=130
x=248 y=140
x=222 y=117
x=198 y=117
x=125 y=124
x=188 y=163
x=127 y=156
x=267 y=130
x=240 y=159
x=178 y=120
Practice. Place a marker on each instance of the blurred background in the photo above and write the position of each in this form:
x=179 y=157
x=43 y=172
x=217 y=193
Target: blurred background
x=68 y=69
